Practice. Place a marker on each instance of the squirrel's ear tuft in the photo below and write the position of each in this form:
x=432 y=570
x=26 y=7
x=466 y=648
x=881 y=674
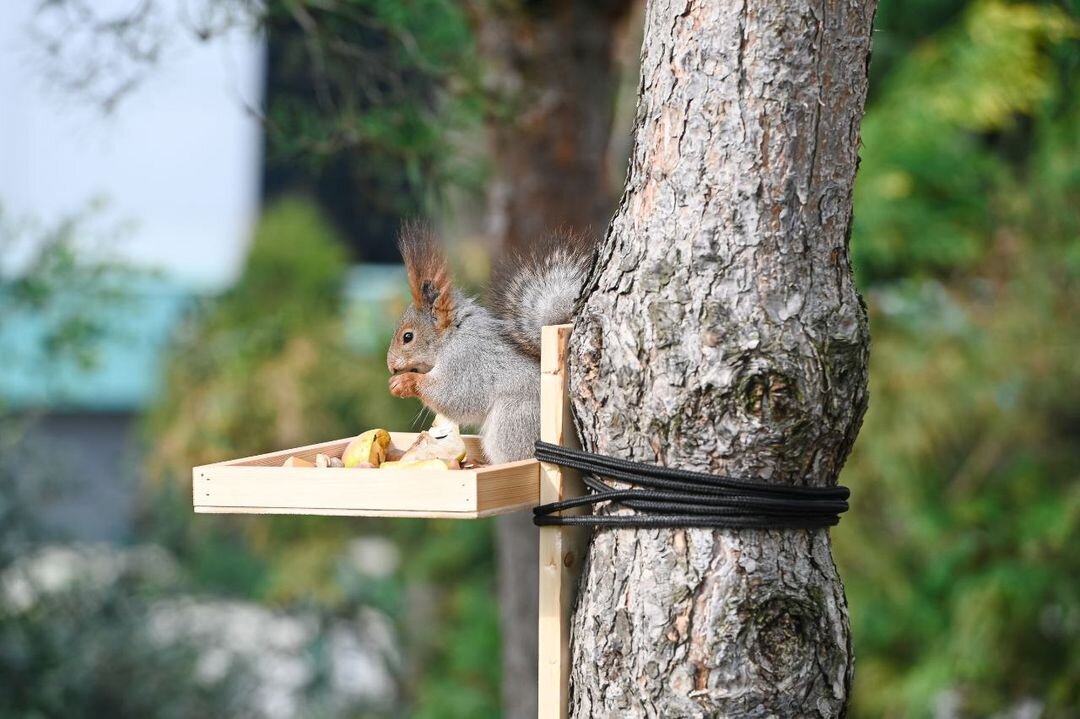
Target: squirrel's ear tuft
x=429 y=277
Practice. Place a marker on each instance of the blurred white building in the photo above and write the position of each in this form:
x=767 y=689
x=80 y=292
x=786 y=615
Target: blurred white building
x=176 y=164
x=178 y=157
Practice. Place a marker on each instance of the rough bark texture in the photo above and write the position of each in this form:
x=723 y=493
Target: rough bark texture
x=722 y=332
x=552 y=69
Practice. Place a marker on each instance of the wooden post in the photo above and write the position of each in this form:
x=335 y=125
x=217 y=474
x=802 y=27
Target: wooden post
x=562 y=549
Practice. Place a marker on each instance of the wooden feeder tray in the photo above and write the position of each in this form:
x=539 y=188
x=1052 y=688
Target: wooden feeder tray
x=260 y=485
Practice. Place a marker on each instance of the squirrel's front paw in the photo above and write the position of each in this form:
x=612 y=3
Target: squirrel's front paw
x=406 y=384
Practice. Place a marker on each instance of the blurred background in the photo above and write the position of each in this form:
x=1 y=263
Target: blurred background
x=198 y=201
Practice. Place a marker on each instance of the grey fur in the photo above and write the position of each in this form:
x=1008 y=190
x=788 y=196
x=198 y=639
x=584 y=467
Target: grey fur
x=543 y=291
x=480 y=373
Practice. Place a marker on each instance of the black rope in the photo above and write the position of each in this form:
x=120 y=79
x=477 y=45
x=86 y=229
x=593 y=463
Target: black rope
x=664 y=497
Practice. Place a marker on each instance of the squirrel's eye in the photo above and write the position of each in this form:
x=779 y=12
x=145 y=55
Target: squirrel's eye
x=407 y=337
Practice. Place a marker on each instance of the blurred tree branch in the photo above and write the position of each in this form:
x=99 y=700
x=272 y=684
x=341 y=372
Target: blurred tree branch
x=388 y=79
x=44 y=275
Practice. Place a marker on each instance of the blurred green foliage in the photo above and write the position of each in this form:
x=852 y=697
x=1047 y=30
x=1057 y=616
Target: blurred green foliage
x=371 y=92
x=960 y=555
x=74 y=644
x=941 y=138
x=84 y=650
x=264 y=367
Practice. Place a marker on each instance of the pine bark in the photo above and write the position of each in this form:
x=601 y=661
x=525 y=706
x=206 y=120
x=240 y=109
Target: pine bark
x=722 y=332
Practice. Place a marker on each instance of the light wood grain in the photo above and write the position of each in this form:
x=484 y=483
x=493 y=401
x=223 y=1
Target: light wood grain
x=260 y=485
x=514 y=484
x=561 y=548
x=384 y=489
x=327 y=512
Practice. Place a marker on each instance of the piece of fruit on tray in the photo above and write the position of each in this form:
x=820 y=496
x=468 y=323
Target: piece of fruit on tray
x=367 y=450
x=439 y=448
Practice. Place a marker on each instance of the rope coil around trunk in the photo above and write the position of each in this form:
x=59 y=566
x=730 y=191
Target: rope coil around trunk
x=664 y=497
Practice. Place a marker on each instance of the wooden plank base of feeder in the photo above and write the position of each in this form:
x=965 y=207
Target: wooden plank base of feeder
x=260 y=485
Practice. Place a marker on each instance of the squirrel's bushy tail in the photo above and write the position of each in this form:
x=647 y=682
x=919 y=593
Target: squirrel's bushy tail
x=542 y=288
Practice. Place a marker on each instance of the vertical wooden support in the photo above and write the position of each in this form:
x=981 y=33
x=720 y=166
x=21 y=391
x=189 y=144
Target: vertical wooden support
x=562 y=549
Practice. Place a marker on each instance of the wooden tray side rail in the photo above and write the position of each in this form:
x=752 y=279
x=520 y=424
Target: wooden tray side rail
x=260 y=485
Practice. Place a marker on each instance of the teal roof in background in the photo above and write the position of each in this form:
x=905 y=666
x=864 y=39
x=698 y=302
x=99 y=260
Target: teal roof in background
x=127 y=360
x=375 y=297
x=130 y=358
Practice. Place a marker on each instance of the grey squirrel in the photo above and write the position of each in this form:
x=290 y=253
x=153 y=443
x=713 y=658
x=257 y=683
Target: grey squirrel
x=478 y=366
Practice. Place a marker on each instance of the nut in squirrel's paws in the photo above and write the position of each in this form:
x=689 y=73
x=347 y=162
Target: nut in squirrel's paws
x=406 y=384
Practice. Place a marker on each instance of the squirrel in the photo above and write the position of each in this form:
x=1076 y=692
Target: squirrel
x=481 y=366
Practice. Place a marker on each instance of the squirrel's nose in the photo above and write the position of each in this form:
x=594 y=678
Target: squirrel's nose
x=394 y=364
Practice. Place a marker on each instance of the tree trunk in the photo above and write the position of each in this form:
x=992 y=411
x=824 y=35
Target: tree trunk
x=553 y=70
x=722 y=332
